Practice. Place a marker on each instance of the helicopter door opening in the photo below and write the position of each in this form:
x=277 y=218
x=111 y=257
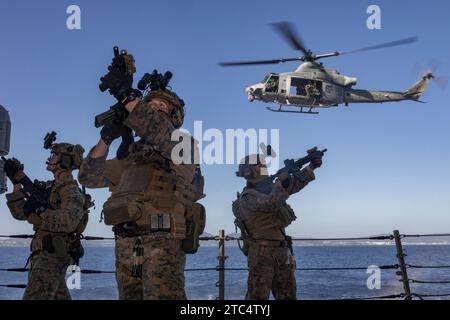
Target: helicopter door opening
x=306 y=88
x=272 y=84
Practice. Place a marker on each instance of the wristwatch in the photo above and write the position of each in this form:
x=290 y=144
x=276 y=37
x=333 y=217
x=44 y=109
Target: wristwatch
x=135 y=93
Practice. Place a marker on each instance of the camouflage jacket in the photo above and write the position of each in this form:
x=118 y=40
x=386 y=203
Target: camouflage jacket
x=155 y=128
x=266 y=215
x=66 y=200
x=133 y=180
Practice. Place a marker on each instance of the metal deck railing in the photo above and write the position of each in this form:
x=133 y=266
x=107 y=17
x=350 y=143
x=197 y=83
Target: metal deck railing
x=401 y=267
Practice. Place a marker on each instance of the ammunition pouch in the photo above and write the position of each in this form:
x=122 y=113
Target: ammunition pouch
x=58 y=244
x=55 y=244
x=286 y=215
x=160 y=222
x=195 y=225
x=75 y=249
x=122 y=208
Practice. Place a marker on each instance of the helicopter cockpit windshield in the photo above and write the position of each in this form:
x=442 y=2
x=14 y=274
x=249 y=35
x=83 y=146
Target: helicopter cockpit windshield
x=271 y=82
x=266 y=77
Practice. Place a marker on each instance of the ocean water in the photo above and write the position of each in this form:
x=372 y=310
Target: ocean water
x=311 y=284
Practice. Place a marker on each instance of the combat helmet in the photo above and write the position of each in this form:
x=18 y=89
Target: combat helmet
x=248 y=167
x=70 y=155
x=156 y=85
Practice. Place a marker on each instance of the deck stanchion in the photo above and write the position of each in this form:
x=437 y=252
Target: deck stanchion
x=221 y=257
x=402 y=265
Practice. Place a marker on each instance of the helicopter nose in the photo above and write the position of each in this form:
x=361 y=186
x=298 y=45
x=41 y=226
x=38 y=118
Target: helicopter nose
x=253 y=89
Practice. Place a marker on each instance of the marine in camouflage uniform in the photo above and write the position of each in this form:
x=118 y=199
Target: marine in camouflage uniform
x=152 y=205
x=55 y=227
x=264 y=217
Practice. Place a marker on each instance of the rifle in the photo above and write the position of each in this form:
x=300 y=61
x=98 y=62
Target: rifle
x=36 y=193
x=118 y=81
x=290 y=165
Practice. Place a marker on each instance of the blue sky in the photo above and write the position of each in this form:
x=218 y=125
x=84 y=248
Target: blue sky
x=387 y=164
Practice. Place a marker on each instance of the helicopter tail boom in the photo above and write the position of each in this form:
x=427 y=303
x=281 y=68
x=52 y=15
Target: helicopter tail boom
x=415 y=91
x=374 y=96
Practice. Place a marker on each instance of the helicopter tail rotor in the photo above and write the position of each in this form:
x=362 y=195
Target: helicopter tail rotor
x=432 y=68
x=417 y=89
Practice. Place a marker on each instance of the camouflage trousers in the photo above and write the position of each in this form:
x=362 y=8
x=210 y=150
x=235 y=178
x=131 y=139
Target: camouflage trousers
x=162 y=269
x=46 y=278
x=271 y=269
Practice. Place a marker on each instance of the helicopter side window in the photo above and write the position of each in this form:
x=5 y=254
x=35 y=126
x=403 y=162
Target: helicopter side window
x=298 y=86
x=272 y=84
x=306 y=87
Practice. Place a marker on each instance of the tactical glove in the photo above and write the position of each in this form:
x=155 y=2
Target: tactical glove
x=112 y=131
x=12 y=167
x=316 y=163
x=31 y=206
x=285 y=179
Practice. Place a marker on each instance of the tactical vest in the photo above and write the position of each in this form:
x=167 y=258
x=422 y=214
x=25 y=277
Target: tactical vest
x=263 y=225
x=61 y=242
x=55 y=202
x=151 y=191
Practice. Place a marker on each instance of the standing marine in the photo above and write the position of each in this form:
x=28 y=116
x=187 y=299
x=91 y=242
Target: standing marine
x=58 y=211
x=262 y=218
x=152 y=206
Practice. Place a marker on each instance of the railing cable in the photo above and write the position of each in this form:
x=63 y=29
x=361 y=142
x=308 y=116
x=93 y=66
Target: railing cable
x=429 y=281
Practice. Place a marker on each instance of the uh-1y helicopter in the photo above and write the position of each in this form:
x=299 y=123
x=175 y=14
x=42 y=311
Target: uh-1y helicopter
x=312 y=85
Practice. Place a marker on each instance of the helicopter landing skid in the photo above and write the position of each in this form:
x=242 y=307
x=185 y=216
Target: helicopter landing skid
x=292 y=111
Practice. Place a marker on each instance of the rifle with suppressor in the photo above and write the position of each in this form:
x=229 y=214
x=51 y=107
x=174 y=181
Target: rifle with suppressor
x=290 y=165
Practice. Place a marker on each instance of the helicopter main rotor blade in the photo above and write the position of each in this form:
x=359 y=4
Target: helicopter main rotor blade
x=384 y=45
x=287 y=31
x=256 y=62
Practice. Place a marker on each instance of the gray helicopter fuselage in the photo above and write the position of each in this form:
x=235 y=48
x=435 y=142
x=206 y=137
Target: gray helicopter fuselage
x=327 y=88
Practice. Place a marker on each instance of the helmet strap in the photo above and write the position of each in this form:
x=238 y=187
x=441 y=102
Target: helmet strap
x=61 y=174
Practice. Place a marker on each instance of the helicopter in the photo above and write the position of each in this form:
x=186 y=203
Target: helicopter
x=313 y=86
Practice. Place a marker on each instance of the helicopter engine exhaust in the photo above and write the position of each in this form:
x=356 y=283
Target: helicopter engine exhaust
x=350 y=81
